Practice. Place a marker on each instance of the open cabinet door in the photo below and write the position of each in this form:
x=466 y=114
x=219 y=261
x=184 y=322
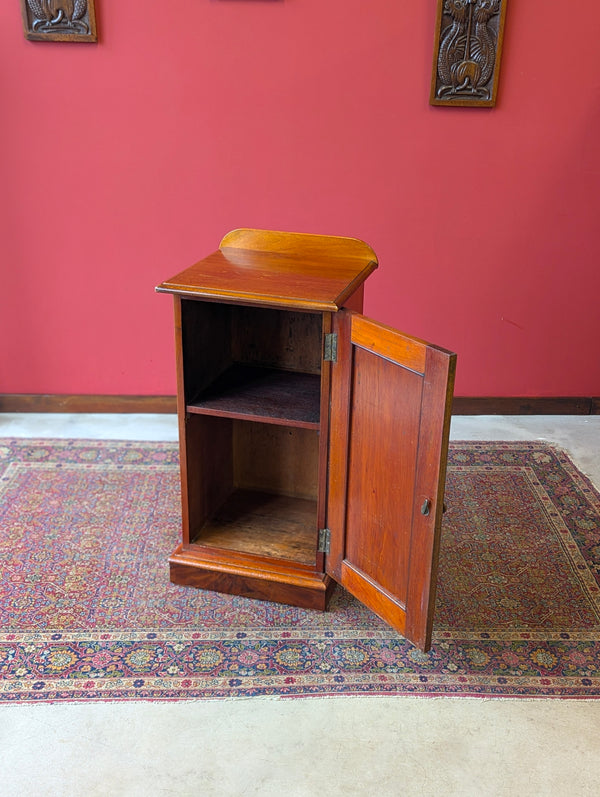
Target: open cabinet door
x=389 y=425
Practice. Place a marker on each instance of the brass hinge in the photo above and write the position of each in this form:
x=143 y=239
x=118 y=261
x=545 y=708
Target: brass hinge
x=324 y=540
x=330 y=352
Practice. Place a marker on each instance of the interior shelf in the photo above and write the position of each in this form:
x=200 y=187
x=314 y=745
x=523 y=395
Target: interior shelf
x=287 y=398
x=264 y=524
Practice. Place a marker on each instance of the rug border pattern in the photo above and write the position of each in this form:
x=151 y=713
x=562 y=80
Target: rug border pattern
x=34 y=666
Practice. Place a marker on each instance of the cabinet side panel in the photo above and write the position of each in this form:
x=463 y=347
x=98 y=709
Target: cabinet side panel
x=208 y=477
x=181 y=416
x=356 y=300
x=203 y=352
x=206 y=344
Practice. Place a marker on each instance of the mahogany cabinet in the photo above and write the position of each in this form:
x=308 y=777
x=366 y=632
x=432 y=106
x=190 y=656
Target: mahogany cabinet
x=313 y=440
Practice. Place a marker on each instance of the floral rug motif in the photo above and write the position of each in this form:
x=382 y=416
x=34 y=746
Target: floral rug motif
x=87 y=611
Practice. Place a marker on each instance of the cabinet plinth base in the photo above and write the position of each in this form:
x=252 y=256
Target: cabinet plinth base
x=308 y=590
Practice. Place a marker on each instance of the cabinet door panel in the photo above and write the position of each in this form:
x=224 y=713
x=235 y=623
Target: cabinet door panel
x=390 y=412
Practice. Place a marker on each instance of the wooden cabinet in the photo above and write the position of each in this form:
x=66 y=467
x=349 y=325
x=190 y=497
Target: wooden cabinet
x=313 y=440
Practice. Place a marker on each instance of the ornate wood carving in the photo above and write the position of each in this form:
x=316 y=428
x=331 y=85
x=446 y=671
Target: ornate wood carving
x=466 y=57
x=59 y=20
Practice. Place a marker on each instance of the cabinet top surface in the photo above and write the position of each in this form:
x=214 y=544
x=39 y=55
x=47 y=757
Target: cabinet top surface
x=294 y=270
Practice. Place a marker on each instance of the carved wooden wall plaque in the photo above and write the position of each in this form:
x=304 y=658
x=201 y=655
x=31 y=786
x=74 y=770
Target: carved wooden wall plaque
x=59 y=20
x=466 y=55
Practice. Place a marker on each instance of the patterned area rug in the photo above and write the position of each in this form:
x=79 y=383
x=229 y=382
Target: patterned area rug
x=87 y=611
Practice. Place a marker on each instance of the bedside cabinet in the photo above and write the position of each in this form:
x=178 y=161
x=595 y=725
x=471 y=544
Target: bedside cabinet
x=313 y=440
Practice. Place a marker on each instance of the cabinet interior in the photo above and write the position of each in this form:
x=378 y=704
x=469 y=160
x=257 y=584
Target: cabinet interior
x=252 y=391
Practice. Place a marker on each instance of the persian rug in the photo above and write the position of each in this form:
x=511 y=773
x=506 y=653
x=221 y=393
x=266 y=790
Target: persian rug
x=87 y=611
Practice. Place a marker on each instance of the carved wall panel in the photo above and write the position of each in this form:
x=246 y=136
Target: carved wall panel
x=59 y=20
x=466 y=55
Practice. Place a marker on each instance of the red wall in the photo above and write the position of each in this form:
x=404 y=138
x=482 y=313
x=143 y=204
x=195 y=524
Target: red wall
x=123 y=162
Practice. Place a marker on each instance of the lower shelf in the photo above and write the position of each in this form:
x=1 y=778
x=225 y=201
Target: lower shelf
x=296 y=586
x=264 y=524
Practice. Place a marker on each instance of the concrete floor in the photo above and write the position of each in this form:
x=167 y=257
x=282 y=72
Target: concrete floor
x=300 y=748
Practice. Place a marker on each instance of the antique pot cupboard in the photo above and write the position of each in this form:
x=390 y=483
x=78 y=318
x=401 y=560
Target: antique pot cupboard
x=313 y=440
